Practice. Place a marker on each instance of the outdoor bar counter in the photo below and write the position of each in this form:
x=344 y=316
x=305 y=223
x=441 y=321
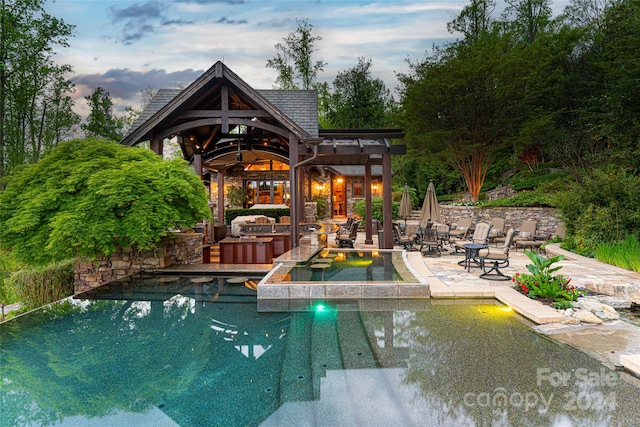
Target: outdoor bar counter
x=281 y=241
x=246 y=250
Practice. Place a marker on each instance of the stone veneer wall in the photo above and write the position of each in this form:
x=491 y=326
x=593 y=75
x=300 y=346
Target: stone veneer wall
x=179 y=248
x=545 y=217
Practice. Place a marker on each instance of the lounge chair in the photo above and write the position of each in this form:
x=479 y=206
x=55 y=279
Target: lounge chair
x=526 y=237
x=346 y=240
x=497 y=257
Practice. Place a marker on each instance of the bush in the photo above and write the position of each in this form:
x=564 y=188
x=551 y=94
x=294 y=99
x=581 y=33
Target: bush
x=376 y=209
x=38 y=286
x=603 y=208
x=90 y=197
x=231 y=214
x=525 y=199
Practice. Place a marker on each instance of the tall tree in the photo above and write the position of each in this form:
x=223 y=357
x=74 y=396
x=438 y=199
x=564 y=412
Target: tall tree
x=35 y=103
x=527 y=18
x=473 y=20
x=101 y=121
x=293 y=61
x=359 y=100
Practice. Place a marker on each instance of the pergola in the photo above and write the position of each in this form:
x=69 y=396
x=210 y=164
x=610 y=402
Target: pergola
x=221 y=122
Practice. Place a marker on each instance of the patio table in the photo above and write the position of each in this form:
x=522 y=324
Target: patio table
x=471 y=254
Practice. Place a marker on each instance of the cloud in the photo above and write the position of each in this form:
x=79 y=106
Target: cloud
x=177 y=22
x=125 y=85
x=147 y=10
x=224 y=20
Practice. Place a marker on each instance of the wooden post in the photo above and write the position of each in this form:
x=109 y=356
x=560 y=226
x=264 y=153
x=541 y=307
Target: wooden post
x=368 y=211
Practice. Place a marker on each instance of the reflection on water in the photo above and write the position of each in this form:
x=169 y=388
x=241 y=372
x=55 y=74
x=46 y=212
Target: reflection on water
x=201 y=354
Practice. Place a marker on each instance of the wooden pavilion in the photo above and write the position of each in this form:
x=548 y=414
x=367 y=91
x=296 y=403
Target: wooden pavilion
x=224 y=127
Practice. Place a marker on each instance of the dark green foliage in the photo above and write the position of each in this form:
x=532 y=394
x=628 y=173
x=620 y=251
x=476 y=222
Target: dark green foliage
x=529 y=180
x=603 y=207
x=376 y=209
x=101 y=122
x=359 y=100
x=90 y=197
x=231 y=214
x=525 y=199
x=38 y=286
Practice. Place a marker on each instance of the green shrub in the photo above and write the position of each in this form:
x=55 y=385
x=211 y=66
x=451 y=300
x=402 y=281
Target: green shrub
x=38 y=286
x=523 y=199
x=603 y=208
x=530 y=180
x=376 y=209
x=625 y=254
x=231 y=214
x=91 y=197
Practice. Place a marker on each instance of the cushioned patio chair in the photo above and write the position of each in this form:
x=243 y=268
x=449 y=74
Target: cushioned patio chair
x=497 y=229
x=526 y=237
x=497 y=258
x=429 y=242
x=480 y=237
x=407 y=239
x=346 y=239
x=461 y=229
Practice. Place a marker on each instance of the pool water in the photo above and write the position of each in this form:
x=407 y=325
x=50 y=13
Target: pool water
x=196 y=352
x=344 y=266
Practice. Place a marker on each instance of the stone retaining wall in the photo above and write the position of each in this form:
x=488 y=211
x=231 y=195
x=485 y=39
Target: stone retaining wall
x=545 y=217
x=180 y=248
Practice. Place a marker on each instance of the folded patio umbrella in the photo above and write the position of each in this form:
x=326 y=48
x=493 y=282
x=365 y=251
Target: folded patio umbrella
x=405 y=210
x=430 y=208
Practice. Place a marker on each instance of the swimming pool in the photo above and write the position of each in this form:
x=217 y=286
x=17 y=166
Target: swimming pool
x=187 y=352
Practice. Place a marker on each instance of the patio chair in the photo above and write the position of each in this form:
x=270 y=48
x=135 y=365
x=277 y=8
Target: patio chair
x=462 y=228
x=429 y=242
x=526 y=237
x=497 y=229
x=479 y=237
x=407 y=239
x=262 y=220
x=346 y=240
x=497 y=257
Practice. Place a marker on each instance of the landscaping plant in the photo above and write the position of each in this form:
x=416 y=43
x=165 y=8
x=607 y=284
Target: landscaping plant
x=540 y=282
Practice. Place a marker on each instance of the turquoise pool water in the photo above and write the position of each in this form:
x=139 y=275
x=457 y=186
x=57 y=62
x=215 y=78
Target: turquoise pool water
x=348 y=266
x=196 y=352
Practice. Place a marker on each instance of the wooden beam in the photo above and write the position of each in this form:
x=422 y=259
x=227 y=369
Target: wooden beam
x=203 y=114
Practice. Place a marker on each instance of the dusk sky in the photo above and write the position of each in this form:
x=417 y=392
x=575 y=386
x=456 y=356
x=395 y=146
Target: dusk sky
x=126 y=46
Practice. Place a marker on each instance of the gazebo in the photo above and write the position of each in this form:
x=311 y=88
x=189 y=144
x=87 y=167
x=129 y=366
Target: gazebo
x=222 y=125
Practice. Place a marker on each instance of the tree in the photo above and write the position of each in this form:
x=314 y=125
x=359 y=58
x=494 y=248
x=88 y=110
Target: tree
x=90 y=197
x=296 y=69
x=101 y=121
x=473 y=20
x=528 y=17
x=359 y=101
x=35 y=104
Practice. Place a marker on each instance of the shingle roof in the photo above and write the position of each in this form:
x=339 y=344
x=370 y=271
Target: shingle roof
x=161 y=98
x=301 y=106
